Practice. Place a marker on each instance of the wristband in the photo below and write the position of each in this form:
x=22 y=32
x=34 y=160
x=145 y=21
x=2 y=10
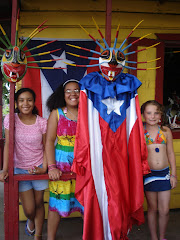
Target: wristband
x=51 y=167
x=173 y=176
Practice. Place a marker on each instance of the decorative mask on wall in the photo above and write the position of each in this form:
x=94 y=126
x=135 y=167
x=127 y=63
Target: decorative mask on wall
x=14 y=62
x=112 y=61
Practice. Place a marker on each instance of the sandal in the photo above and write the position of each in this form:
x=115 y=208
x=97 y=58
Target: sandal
x=28 y=231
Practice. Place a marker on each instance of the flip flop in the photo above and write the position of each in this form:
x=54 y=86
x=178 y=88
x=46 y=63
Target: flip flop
x=28 y=231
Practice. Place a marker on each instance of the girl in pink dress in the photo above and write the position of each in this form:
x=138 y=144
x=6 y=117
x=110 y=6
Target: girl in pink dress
x=29 y=158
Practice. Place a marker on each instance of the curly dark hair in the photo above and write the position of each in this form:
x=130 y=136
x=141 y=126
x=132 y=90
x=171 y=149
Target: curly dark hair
x=56 y=100
x=22 y=90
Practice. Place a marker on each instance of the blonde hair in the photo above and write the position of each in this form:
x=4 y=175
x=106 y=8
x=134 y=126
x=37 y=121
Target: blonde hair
x=160 y=108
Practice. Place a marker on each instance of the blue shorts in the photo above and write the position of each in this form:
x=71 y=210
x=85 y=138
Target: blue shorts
x=37 y=185
x=157 y=180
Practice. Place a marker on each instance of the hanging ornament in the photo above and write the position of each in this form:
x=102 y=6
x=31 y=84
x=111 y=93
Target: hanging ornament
x=14 y=62
x=112 y=61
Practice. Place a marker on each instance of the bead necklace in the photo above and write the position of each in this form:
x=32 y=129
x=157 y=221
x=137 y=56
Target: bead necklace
x=148 y=135
x=67 y=110
x=157 y=148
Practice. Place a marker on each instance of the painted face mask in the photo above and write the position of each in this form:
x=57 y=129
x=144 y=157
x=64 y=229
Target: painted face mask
x=112 y=61
x=14 y=62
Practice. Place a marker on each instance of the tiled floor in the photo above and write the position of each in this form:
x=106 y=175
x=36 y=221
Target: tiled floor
x=71 y=229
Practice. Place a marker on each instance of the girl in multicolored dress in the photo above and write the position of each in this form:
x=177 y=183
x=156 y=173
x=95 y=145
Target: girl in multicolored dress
x=159 y=182
x=62 y=122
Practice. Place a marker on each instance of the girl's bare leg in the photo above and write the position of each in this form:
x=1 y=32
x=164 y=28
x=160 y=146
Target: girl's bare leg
x=40 y=213
x=28 y=204
x=53 y=223
x=163 y=206
x=152 y=198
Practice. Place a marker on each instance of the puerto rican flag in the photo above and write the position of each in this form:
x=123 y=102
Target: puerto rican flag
x=44 y=81
x=110 y=157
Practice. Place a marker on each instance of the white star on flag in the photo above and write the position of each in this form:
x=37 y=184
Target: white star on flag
x=113 y=105
x=60 y=63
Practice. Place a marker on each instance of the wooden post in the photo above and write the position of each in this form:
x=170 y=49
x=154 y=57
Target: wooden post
x=1 y=121
x=10 y=222
x=108 y=21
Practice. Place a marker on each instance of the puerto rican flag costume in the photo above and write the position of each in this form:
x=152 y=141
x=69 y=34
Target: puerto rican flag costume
x=110 y=155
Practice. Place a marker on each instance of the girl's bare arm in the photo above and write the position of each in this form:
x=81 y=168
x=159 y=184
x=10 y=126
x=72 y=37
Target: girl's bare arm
x=171 y=158
x=4 y=173
x=54 y=174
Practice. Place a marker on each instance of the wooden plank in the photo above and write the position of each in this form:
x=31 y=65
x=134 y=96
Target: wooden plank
x=79 y=5
x=66 y=25
x=27 y=177
x=127 y=20
x=16 y=210
x=108 y=21
x=6 y=209
x=100 y=5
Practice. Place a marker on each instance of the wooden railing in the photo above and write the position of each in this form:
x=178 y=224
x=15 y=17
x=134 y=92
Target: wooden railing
x=11 y=201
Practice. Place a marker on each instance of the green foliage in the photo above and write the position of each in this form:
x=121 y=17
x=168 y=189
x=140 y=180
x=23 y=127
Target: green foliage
x=6 y=90
x=5 y=97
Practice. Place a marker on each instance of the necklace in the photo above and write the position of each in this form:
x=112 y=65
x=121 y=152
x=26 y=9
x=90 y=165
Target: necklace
x=67 y=110
x=151 y=140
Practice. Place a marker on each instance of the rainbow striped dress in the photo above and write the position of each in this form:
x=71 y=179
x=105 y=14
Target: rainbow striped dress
x=62 y=199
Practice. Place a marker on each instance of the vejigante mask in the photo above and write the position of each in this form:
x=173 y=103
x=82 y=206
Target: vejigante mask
x=14 y=62
x=112 y=60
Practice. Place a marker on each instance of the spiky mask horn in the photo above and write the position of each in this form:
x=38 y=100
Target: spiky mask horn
x=112 y=61
x=14 y=62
